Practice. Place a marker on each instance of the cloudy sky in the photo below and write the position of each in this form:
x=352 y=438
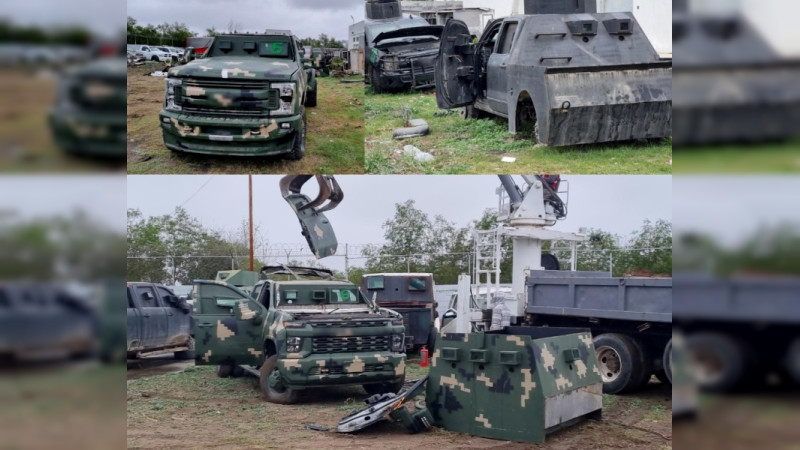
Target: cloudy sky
x=102 y=197
x=106 y=17
x=306 y=18
x=615 y=203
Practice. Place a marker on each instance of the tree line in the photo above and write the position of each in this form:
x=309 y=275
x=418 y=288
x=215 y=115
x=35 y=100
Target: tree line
x=175 y=34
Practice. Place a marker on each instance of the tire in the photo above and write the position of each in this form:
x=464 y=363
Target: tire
x=431 y=341
x=187 y=354
x=385 y=388
x=272 y=384
x=665 y=374
x=470 y=112
x=526 y=119
x=376 y=86
x=792 y=360
x=718 y=361
x=311 y=98
x=621 y=362
x=299 y=147
x=154 y=58
x=224 y=370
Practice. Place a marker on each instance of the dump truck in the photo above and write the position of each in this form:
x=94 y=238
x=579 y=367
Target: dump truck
x=302 y=330
x=739 y=329
x=158 y=322
x=88 y=118
x=630 y=319
x=566 y=75
x=411 y=295
x=246 y=96
x=400 y=49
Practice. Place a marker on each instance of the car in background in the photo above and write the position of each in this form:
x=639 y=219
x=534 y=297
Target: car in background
x=151 y=53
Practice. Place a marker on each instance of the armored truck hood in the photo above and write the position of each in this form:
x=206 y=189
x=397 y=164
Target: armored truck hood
x=433 y=30
x=237 y=67
x=115 y=67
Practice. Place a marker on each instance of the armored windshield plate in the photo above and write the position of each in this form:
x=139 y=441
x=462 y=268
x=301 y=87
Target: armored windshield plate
x=315 y=227
x=375 y=412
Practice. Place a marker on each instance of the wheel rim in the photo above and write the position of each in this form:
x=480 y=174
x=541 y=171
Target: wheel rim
x=707 y=367
x=609 y=363
x=275 y=382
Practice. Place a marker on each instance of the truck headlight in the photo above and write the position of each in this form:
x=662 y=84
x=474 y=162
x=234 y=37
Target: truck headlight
x=391 y=63
x=397 y=342
x=286 y=96
x=173 y=85
x=294 y=344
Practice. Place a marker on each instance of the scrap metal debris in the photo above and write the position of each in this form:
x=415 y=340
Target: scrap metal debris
x=382 y=405
x=419 y=155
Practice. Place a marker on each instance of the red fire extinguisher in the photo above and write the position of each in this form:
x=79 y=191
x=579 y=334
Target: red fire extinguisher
x=424 y=355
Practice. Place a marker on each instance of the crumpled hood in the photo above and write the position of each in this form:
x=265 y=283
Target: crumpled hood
x=237 y=67
x=433 y=30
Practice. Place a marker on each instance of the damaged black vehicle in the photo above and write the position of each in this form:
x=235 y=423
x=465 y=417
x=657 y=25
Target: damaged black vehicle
x=401 y=50
x=570 y=75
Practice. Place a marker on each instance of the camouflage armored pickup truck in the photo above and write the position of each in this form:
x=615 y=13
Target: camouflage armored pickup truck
x=246 y=96
x=302 y=329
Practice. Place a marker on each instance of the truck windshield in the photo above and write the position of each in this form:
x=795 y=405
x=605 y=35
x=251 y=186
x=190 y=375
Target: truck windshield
x=263 y=46
x=333 y=296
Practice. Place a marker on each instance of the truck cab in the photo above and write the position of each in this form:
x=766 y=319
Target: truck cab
x=245 y=96
x=301 y=329
x=400 y=49
x=566 y=78
x=411 y=295
x=158 y=322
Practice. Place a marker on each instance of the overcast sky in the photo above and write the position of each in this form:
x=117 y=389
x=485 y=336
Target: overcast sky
x=106 y=17
x=102 y=197
x=617 y=204
x=305 y=18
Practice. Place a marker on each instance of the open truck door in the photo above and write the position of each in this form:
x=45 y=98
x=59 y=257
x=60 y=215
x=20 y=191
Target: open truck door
x=225 y=320
x=456 y=72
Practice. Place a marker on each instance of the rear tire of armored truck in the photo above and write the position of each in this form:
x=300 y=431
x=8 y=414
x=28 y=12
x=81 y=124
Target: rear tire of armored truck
x=470 y=112
x=621 y=362
x=299 y=147
x=527 y=125
x=186 y=354
x=272 y=384
x=311 y=98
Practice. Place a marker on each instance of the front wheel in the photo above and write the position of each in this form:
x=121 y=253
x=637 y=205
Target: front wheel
x=186 y=354
x=376 y=85
x=311 y=99
x=386 y=388
x=273 y=386
x=299 y=147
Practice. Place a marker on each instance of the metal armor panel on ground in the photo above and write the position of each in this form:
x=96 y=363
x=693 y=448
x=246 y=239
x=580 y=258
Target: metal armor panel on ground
x=519 y=383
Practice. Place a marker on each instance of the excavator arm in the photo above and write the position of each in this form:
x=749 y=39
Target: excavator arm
x=315 y=226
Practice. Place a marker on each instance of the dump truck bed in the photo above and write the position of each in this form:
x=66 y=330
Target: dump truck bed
x=598 y=295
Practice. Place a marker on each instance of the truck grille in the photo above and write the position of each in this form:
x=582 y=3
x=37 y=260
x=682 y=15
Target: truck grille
x=349 y=323
x=348 y=344
x=243 y=103
x=340 y=370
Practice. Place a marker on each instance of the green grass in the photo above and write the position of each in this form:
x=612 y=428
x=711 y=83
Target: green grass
x=335 y=142
x=477 y=146
x=764 y=158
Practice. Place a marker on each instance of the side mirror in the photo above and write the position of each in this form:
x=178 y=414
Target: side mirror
x=188 y=54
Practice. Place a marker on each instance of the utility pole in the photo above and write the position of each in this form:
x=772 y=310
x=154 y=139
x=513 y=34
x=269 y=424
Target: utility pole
x=250 y=183
x=346 y=261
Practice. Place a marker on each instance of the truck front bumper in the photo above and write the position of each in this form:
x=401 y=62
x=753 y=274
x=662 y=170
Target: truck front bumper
x=89 y=133
x=232 y=136
x=346 y=368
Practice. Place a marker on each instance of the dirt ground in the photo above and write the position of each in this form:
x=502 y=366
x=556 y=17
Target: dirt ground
x=195 y=408
x=26 y=144
x=335 y=142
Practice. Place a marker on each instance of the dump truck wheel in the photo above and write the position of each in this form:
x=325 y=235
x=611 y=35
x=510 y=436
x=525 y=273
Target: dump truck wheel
x=621 y=362
x=311 y=99
x=299 y=148
x=186 y=354
x=272 y=384
x=718 y=361
x=666 y=372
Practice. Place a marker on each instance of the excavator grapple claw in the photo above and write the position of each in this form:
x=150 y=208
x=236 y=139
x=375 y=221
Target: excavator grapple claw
x=315 y=226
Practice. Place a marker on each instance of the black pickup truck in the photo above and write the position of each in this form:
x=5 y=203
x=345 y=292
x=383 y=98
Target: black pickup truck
x=158 y=322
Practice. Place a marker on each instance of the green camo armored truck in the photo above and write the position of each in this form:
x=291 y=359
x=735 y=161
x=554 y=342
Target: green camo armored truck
x=301 y=329
x=88 y=118
x=245 y=97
